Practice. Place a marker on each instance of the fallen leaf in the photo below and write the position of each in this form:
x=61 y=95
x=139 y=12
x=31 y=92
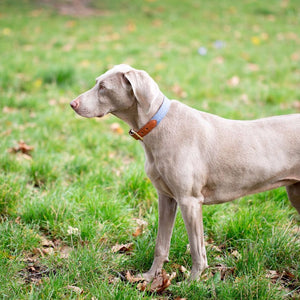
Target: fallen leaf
x=116 y=128
x=219 y=60
x=6 y=132
x=295 y=56
x=184 y=271
x=85 y=63
x=245 y=98
x=67 y=47
x=253 y=67
x=113 y=280
x=210 y=244
x=156 y=23
x=122 y=248
x=141 y=225
x=236 y=254
x=138 y=231
x=142 y=286
x=131 y=27
x=52 y=102
x=223 y=270
x=48 y=251
x=75 y=289
x=161 y=281
x=296 y=105
x=18 y=220
x=70 y=24
x=272 y=275
x=46 y=243
x=65 y=251
x=233 y=81
x=296 y=229
x=22 y=147
x=9 y=110
x=132 y=278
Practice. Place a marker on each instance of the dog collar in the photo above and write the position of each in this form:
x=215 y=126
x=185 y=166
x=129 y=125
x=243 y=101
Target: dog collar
x=155 y=120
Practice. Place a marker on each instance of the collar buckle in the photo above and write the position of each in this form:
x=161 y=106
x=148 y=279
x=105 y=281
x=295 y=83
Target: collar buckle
x=135 y=135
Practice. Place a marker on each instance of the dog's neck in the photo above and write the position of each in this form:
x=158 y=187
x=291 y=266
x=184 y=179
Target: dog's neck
x=136 y=117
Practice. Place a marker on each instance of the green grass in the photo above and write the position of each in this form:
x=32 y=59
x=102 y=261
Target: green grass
x=84 y=184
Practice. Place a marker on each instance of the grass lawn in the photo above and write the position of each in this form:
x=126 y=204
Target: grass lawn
x=72 y=188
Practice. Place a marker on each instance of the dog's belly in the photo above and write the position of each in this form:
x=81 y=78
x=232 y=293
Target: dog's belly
x=222 y=194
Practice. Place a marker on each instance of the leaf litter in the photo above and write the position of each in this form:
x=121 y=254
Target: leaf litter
x=160 y=282
x=34 y=271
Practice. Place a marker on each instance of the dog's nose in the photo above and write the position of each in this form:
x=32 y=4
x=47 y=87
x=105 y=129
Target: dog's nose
x=74 y=104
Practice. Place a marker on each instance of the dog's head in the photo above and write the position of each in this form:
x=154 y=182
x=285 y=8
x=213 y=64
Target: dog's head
x=117 y=90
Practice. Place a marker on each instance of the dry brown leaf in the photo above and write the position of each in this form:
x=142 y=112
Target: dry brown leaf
x=48 y=251
x=22 y=147
x=210 y=243
x=6 y=132
x=132 y=278
x=65 y=251
x=184 y=271
x=113 y=279
x=18 y=220
x=75 y=289
x=236 y=254
x=9 y=110
x=138 y=231
x=224 y=270
x=273 y=275
x=122 y=248
x=131 y=27
x=161 y=281
x=141 y=225
x=46 y=243
x=142 y=286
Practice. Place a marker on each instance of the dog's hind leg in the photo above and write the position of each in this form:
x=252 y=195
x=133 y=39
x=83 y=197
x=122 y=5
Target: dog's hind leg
x=294 y=195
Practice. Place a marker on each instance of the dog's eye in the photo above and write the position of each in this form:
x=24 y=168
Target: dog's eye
x=101 y=86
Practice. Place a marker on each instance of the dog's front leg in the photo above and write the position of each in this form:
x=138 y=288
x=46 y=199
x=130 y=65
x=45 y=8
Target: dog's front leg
x=167 y=212
x=191 y=209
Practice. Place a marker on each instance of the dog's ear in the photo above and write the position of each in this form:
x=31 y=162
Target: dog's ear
x=144 y=88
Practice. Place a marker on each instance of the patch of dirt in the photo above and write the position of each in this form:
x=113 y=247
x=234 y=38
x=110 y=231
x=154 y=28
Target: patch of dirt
x=35 y=271
x=75 y=8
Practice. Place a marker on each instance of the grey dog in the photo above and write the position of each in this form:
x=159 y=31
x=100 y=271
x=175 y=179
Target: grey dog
x=195 y=158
